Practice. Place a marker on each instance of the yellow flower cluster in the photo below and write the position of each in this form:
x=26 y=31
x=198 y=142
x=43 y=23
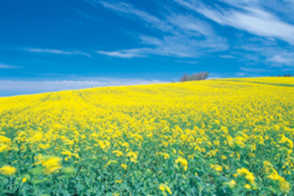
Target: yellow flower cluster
x=182 y=162
x=243 y=172
x=7 y=170
x=165 y=189
x=5 y=143
x=216 y=167
x=273 y=175
x=50 y=164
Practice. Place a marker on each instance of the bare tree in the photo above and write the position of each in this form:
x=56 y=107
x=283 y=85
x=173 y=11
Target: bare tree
x=193 y=77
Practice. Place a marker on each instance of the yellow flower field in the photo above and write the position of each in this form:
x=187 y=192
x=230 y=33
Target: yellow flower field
x=214 y=137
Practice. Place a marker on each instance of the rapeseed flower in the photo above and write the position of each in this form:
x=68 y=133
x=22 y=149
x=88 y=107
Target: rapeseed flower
x=7 y=170
x=246 y=174
x=165 y=189
x=182 y=162
x=51 y=164
x=216 y=167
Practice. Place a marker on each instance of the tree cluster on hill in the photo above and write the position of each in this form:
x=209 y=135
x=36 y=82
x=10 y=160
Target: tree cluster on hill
x=286 y=75
x=196 y=76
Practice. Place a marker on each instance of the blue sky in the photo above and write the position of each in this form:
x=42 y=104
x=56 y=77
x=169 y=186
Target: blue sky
x=53 y=45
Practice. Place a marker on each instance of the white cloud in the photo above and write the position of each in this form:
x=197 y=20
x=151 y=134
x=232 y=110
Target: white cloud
x=242 y=3
x=16 y=87
x=282 y=59
x=272 y=55
x=131 y=53
x=179 y=46
x=185 y=46
x=6 y=66
x=181 y=35
x=248 y=17
x=190 y=24
x=185 y=34
x=56 y=51
x=129 y=9
x=254 y=70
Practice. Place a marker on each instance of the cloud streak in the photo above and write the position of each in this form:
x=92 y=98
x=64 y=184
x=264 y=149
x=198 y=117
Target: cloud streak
x=56 y=51
x=178 y=46
x=6 y=66
x=248 y=17
x=253 y=70
x=129 y=9
x=270 y=54
x=196 y=28
x=131 y=53
x=282 y=59
x=182 y=36
x=16 y=87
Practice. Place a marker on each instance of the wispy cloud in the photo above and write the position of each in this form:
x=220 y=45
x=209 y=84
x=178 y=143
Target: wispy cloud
x=175 y=46
x=249 y=17
x=129 y=9
x=193 y=32
x=190 y=24
x=270 y=54
x=6 y=66
x=56 y=51
x=181 y=45
x=131 y=53
x=16 y=87
x=181 y=35
x=253 y=70
x=282 y=59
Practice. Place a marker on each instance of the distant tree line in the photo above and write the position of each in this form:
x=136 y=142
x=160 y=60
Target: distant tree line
x=204 y=76
x=194 y=77
x=286 y=75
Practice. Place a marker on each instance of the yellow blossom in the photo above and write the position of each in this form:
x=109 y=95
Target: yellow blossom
x=118 y=153
x=118 y=181
x=247 y=174
x=247 y=186
x=5 y=143
x=133 y=156
x=216 y=167
x=165 y=189
x=231 y=184
x=7 y=170
x=24 y=179
x=51 y=164
x=164 y=155
x=124 y=166
x=183 y=162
